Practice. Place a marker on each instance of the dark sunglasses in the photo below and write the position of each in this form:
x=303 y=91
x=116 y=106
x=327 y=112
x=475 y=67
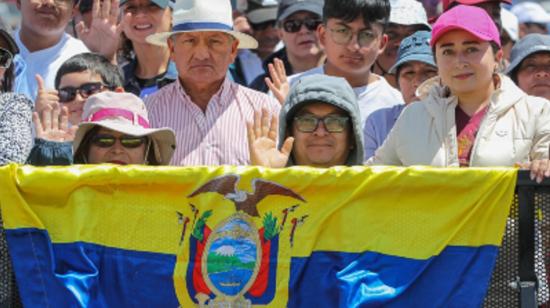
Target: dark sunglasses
x=309 y=123
x=263 y=25
x=85 y=90
x=5 y=58
x=107 y=141
x=294 y=25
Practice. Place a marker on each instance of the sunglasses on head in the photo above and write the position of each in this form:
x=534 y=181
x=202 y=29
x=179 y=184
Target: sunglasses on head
x=5 y=58
x=68 y=94
x=294 y=25
x=309 y=123
x=107 y=141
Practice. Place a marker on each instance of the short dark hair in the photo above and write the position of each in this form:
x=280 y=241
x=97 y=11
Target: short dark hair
x=372 y=11
x=96 y=64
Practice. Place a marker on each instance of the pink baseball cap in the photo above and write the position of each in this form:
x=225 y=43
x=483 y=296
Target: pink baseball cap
x=447 y=3
x=472 y=19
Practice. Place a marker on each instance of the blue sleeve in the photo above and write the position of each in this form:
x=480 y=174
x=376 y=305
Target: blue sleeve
x=51 y=153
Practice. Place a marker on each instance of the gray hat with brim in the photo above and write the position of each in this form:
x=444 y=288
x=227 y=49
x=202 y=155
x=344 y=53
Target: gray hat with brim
x=414 y=48
x=160 y=3
x=287 y=8
x=528 y=45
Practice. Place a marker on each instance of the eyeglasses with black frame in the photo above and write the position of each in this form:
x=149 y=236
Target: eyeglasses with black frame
x=68 y=94
x=294 y=25
x=343 y=36
x=107 y=141
x=309 y=123
x=6 y=58
x=263 y=25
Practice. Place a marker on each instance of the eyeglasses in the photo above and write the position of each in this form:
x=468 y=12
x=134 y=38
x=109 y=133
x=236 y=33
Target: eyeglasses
x=343 y=36
x=5 y=58
x=309 y=123
x=263 y=25
x=85 y=90
x=107 y=141
x=294 y=25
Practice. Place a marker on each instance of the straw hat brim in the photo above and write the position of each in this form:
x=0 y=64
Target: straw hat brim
x=245 y=41
x=164 y=139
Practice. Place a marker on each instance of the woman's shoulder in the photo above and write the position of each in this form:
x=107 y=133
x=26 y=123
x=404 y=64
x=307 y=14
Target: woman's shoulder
x=11 y=100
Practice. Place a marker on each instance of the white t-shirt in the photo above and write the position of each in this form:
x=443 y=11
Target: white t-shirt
x=374 y=96
x=47 y=61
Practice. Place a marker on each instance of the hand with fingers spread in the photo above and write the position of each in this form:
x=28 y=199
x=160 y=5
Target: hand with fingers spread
x=278 y=83
x=52 y=124
x=262 y=141
x=45 y=97
x=540 y=169
x=103 y=35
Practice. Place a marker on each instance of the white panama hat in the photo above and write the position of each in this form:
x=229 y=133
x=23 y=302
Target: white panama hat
x=200 y=16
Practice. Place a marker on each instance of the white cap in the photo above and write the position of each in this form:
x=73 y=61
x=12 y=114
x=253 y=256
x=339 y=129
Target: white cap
x=510 y=24
x=408 y=12
x=531 y=12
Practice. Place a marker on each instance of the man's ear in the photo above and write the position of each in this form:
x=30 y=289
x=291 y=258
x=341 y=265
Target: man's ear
x=170 y=42
x=234 y=48
x=322 y=34
x=383 y=43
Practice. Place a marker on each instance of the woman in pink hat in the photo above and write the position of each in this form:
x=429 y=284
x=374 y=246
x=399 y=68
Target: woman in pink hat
x=115 y=129
x=471 y=116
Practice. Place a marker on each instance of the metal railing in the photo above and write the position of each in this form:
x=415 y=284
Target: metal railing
x=521 y=277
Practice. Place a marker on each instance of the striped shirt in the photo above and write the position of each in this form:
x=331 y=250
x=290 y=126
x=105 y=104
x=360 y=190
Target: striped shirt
x=216 y=136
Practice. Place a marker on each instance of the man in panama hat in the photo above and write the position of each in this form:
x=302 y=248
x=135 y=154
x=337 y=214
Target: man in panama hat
x=205 y=108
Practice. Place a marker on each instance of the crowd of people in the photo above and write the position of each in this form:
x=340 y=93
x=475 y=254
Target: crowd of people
x=277 y=83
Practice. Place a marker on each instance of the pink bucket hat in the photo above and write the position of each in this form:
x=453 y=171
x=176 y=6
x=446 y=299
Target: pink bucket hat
x=468 y=18
x=125 y=113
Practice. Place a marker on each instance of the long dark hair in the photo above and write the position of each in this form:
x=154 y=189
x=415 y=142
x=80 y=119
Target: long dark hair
x=81 y=154
x=9 y=74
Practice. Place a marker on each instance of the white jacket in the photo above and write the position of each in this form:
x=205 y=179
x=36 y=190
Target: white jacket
x=515 y=129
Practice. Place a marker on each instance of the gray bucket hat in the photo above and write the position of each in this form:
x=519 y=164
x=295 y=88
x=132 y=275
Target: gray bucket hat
x=414 y=48
x=526 y=46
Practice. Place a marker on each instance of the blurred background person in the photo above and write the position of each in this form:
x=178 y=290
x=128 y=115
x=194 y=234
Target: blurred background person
x=532 y=17
x=530 y=65
x=146 y=67
x=297 y=22
x=406 y=17
x=262 y=18
x=415 y=64
x=492 y=7
x=509 y=34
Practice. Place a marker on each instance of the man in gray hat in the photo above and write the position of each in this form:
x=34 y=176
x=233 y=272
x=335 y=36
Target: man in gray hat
x=530 y=65
x=319 y=126
x=297 y=22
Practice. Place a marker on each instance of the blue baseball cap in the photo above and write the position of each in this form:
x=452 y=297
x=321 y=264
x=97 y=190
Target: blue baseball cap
x=160 y=3
x=414 y=48
x=526 y=46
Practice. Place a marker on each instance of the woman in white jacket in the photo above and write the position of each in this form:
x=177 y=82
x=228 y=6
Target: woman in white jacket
x=472 y=116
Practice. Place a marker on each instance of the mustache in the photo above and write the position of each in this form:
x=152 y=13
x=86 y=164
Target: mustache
x=47 y=9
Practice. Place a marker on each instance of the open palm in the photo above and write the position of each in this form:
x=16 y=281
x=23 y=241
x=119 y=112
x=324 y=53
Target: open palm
x=262 y=142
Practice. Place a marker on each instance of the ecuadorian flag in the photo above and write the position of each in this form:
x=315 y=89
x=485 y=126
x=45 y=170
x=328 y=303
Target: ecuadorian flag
x=112 y=236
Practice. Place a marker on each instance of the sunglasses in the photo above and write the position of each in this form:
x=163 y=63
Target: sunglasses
x=5 y=58
x=107 y=141
x=85 y=90
x=309 y=123
x=294 y=25
x=263 y=25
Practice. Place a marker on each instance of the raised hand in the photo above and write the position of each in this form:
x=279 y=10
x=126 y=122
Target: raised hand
x=278 y=83
x=103 y=35
x=45 y=97
x=262 y=141
x=52 y=124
